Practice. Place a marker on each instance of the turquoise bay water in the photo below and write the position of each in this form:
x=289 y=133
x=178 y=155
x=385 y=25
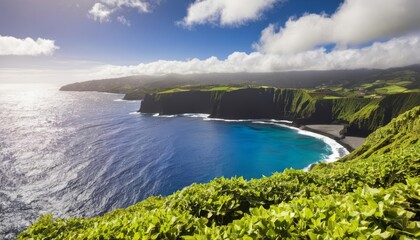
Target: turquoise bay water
x=83 y=154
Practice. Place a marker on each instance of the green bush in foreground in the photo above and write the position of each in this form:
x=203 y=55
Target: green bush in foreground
x=374 y=194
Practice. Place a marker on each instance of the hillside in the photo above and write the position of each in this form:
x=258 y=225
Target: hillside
x=374 y=193
x=333 y=83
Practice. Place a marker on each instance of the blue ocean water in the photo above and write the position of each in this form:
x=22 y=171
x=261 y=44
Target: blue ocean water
x=86 y=153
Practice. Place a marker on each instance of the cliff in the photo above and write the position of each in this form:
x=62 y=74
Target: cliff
x=379 y=112
x=287 y=104
x=237 y=104
x=179 y=102
x=363 y=115
x=401 y=133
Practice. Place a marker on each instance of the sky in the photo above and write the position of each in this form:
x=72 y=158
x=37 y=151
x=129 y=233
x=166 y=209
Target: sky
x=88 y=39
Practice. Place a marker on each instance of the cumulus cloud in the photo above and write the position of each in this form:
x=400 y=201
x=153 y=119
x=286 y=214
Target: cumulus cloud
x=140 y=5
x=393 y=53
x=102 y=10
x=225 y=12
x=26 y=47
x=355 y=22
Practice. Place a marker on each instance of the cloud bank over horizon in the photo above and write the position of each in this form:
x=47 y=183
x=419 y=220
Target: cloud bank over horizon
x=396 y=52
x=354 y=22
x=354 y=34
x=365 y=34
x=11 y=46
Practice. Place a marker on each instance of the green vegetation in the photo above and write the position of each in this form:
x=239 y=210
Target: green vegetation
x=293 y=103
x=203 y=88
x=376 y=86
x=222 y=88
x=390 y=89
x=172 y=90
x=373 y=193
x=379 y=112
x=331 y=97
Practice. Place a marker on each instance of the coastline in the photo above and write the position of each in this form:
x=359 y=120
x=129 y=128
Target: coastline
x=335 y=131
x=329 y=133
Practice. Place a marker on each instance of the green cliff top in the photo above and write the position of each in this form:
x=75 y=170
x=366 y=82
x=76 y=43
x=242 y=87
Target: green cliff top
x=204 y=88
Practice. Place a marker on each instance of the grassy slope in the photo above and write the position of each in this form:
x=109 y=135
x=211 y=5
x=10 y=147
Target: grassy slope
x=374 y=194
x=380 y=111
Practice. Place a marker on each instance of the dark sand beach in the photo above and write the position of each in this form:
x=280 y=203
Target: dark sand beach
x=335 y=131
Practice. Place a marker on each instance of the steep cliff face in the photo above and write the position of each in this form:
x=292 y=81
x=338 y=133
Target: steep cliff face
x=335 y=110
x=362 y=115
x=274 y=103
x=178 y=102
x=379 y=112
x=400 y=133
x=239 y=104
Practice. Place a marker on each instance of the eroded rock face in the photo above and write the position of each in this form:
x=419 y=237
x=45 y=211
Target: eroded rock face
x=177 y=103
x=246 y=103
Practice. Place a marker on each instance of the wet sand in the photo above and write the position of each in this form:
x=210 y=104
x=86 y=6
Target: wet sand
x=335 y=131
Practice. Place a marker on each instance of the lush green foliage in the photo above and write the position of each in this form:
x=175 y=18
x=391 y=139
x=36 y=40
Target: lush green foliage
x=294 y=101
x=203 y=88
x=375 y=194
x=379 y=112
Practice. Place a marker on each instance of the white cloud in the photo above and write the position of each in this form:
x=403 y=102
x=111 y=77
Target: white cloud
x=395 y=52
x=225 y=12
x=354 y=22
x=140 y=5
x=26 y=47
x=123 y=21
x=102 y=10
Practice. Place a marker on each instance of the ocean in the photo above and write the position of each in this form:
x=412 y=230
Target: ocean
x=81 y=154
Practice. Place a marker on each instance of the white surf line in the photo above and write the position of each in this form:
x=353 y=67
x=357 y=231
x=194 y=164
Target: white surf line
x=127 y=101
x=338 y=150
x=164 y=116
x=195 y=115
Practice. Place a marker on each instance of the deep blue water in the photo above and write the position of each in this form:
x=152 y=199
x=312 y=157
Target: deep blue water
x=82 y=154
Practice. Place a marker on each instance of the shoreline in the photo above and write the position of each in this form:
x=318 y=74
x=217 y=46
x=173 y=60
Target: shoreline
x=334 y=131
x=329 y=131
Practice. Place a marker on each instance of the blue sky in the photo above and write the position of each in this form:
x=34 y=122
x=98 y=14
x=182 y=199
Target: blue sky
x=151 y=36
x=161 y=36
